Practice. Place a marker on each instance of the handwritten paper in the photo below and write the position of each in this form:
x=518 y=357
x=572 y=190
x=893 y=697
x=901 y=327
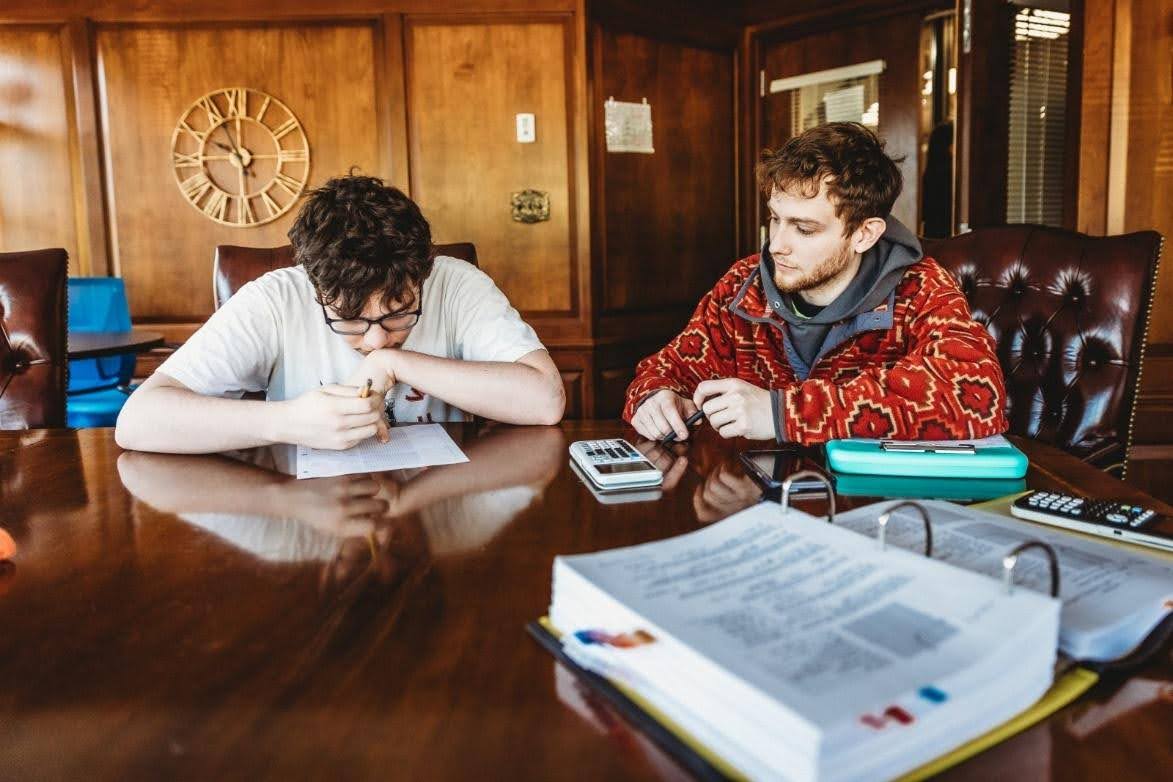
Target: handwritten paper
x=411 y=446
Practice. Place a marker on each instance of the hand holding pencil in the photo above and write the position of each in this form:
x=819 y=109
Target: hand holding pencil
x=335 y=416
x=662 y=416
x=384 y=433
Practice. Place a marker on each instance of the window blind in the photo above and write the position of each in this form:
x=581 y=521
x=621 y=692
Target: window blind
x=1038 y=100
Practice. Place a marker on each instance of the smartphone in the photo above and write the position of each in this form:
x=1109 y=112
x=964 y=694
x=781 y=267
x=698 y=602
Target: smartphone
x=770 y=468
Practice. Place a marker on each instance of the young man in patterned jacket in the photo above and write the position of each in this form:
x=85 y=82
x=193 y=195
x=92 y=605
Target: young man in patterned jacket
x=840 y=327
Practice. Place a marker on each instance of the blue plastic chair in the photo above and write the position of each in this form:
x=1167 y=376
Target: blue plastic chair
x=98 y=387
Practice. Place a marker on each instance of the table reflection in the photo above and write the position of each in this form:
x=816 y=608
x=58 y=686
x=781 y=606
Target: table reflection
x=31 y=478
x=379 y=524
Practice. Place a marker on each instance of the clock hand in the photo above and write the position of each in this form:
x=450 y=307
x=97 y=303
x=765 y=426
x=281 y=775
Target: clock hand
x=235 y=149
x=235 y=152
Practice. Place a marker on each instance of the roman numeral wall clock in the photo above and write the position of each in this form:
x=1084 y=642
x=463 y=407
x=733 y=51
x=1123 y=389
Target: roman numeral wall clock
x=240 y=157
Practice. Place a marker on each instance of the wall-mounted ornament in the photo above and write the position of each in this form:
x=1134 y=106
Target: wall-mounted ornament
x=240 y=156
x=530 y=206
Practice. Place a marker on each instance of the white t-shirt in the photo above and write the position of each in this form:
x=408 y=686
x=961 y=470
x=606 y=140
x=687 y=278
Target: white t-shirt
x=271 y=336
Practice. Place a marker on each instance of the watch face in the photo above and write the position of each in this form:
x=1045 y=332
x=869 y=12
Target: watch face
x=240 y=157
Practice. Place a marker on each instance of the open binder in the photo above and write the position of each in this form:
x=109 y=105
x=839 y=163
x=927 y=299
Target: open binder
x=632 y=622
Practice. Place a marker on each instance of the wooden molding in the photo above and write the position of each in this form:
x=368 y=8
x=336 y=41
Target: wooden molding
x=391 y=96
x=289 y=10
x=833 y=15
x=89 y=202
x=1121 y=66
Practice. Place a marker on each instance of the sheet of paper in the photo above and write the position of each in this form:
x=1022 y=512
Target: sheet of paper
x=1111 y=595
x=628 y=126
x=420 y=445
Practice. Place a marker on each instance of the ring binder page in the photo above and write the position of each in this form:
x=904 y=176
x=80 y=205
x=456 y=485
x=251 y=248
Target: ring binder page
x=1113 y=597
x=796 y=649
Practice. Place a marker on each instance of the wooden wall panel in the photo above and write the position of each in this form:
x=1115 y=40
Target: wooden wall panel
x=668 y=218
x=465 y=84
x=36 y=186
x=1145 y=105
x=1095 y=116
x=162 y=246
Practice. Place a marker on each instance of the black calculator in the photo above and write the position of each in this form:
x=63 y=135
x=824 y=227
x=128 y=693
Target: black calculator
x=1110 y=518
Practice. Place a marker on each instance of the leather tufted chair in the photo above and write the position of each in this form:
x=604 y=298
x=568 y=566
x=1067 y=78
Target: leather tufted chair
x=234 y=266
x=1070 y=314
x=33 y=333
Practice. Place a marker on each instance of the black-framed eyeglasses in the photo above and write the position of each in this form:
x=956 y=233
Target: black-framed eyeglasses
x=354 y=327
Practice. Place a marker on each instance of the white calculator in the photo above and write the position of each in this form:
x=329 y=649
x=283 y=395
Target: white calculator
x=614 y=464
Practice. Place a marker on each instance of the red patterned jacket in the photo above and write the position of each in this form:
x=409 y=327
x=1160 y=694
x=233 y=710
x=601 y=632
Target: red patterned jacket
x=916 y=367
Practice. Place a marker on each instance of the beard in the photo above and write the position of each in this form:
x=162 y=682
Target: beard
x=823 y=272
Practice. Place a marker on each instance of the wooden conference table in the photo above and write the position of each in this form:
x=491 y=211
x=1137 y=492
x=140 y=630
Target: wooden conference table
x=202 y=618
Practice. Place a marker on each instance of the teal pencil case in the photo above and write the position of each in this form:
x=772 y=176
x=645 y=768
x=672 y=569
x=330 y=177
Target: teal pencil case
x=990 y=458
x=905 y=486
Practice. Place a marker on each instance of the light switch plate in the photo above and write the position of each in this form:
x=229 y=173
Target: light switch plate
x=526 y=131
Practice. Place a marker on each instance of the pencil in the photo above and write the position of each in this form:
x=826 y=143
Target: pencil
x=366 y=390
x=692 y=419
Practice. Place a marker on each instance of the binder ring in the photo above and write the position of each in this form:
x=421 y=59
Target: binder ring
x=786 y=484
x=886 y=516
x=1011 y=560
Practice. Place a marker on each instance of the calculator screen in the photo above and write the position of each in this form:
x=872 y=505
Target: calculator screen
x=611 y=469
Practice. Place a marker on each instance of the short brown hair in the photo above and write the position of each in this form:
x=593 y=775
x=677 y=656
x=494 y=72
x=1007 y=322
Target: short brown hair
x=357 y=237
x=862 y=181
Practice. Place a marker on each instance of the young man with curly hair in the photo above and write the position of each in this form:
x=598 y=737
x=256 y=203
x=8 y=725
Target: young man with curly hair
x=839 y=327
x=367 y=300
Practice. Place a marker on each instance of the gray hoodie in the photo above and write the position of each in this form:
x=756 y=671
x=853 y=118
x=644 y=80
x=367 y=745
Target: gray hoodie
x=880 y=269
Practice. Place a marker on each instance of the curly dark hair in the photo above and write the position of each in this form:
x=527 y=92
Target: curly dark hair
x=357 y=237
x=862 y=181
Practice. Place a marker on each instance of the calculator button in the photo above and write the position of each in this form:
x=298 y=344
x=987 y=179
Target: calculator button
x=1117 y=518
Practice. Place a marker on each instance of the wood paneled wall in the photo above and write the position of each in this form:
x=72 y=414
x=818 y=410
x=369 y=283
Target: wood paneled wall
x=466 y=84
x=421 y=93
x=150 y=75
x=1126 y=164
x=663 y=223
x=36 y=137
x=667 y=218
x=1141 y=158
